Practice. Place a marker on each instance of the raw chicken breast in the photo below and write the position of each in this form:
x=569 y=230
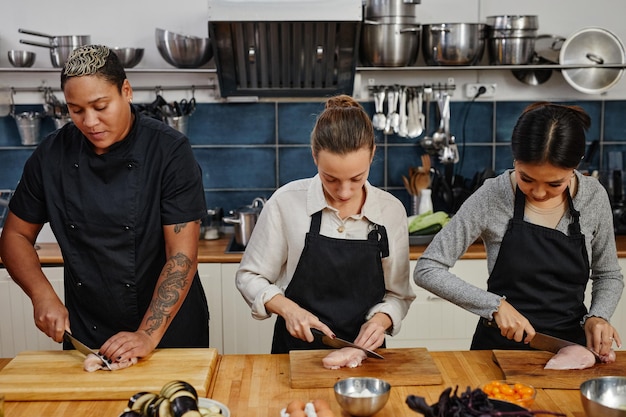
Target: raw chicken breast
x=94 y=363
x=347 y=356
x=572 y=357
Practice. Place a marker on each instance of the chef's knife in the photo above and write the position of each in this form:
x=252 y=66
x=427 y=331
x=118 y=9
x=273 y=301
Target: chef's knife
x=83 y=348
x=339 y=343
x=543 y=341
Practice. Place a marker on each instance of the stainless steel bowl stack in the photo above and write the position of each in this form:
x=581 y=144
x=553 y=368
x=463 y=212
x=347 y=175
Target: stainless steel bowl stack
x=511 y=39
x=183 y=51
x=391 y=34
x=453 y=43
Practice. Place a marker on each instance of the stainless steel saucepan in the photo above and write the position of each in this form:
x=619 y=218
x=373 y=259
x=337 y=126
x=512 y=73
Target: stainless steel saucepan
x=60 y=46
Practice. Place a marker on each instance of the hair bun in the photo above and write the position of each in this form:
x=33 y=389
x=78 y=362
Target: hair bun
x=342 y=100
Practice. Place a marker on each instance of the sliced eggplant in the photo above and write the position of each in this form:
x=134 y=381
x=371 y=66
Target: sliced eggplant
x=183 y=405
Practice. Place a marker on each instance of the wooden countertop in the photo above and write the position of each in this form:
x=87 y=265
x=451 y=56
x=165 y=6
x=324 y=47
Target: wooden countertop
x=258 y=386
x=213 y=251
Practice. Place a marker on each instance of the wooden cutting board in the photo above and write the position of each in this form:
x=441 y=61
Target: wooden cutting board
x=59 y=375
x=401 y=366
x=527 y=367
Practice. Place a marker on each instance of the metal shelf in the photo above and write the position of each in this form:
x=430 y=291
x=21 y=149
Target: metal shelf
x=489 y=67
x=128 y=70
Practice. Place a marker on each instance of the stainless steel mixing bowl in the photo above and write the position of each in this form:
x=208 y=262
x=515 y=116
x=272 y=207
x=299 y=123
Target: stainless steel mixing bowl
x=604 y=396
x=129 y=57
x=21 y=59
x=183 y=51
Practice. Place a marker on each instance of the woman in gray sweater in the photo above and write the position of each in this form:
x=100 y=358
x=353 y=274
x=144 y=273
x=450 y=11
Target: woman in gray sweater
x=547 y=230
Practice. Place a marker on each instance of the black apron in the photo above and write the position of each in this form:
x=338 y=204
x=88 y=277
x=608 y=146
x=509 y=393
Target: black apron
x=338 y=280
x=543 y=274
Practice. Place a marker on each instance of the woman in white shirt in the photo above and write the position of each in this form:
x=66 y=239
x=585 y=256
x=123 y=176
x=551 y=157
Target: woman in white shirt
x=331 y=252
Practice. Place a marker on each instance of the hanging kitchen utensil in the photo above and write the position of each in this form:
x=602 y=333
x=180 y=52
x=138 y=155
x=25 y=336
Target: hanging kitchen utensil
x=60 y=46
x=379 y=120
x=403 y=130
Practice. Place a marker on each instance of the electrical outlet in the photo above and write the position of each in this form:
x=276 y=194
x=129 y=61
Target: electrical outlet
x=472 y=89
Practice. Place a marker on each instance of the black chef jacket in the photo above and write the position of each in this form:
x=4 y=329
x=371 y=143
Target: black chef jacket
x=107 y=213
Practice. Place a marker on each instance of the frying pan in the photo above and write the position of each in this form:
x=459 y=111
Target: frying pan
x=60 y=46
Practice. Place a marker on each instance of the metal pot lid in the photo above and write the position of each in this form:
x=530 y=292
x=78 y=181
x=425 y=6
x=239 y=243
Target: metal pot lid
x=592 y=46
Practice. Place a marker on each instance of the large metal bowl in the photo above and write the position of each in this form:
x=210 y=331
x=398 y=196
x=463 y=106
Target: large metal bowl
x=453 y=43
x=129 y=57
x=362 y=396
x=604 y=396
x=589 y=47
x=183 y=51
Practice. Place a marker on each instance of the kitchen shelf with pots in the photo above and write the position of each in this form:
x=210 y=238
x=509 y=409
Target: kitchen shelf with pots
x=128 y=70
x=488 y=67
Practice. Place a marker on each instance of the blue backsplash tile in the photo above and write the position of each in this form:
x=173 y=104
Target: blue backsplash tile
x=247 y=150
x=233 y=124
x=295 y=163
x=614 y=126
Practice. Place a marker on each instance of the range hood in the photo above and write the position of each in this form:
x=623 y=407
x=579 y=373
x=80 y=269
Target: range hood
x=285 y=48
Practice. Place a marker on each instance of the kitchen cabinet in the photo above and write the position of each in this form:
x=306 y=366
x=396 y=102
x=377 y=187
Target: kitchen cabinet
x=437 y=324
x=431 y=322
x=243 y=334
x=211 y=279
x=17 y=326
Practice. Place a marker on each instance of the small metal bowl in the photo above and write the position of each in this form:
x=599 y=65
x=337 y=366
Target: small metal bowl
x=604 y=396
x=21 y=59
x=129 y=57
x=362 y=397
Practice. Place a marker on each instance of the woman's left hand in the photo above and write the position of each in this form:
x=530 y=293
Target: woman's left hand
x=601 y=335
x=372 y=333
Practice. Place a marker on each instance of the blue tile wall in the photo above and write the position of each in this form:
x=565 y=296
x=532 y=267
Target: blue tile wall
x=247 y=150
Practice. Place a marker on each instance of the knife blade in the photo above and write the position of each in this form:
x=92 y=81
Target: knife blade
x=83 y=348
x=543 y=341
x=339 y=343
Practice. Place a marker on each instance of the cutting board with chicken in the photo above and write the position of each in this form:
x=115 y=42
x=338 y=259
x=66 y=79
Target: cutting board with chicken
x=401 y=366
x=59 y=375
x=526 y=366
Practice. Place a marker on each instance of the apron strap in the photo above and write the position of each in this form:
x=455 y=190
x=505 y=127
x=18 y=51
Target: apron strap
x=379 y=233
x=316 y=221
x=574 y=226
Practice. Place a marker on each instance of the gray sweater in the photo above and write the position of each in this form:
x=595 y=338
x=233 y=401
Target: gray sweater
x=486 y=214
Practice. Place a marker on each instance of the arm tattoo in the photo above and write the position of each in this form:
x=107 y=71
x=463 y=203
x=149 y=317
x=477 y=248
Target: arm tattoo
x=180 y=226
x=176 y=271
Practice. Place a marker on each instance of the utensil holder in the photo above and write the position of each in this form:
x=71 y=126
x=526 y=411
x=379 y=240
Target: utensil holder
x=426 y=202
x=28 y=125
x=178 y=122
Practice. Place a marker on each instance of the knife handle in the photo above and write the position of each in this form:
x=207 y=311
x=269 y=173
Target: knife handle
x=489 y=323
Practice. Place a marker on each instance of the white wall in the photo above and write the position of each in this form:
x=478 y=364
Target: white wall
x=132 y=23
